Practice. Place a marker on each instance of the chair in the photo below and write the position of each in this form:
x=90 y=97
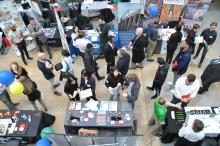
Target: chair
x=184 y=142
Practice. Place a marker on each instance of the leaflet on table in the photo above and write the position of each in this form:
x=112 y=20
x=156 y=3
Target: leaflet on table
x=92 y=105
x=78 y=106
x=85 y=93
x=72 y=105
x=113 y=106
x=104 y=106
x=101 y=118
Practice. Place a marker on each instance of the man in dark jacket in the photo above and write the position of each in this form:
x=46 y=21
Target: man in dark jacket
x=46 y=67
x=210 y=75
x=191 y=36
x=209 y=35
x=172 y=43
x=152 y=32
x=110 y=53
x=102 y=29
x=123 y=61
x=181 y=61
x=138 y=45
x=160 y=76
x=90 y=61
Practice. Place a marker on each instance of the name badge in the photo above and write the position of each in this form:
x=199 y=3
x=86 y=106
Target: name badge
x=210 y=37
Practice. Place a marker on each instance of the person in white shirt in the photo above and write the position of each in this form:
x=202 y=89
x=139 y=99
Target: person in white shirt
x=186 y=88
x=81 y=43
x=191 y=135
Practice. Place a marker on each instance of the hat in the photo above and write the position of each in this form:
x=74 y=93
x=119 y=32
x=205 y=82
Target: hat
x=160 y=60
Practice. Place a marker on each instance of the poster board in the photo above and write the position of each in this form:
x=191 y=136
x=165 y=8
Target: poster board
x=173 y=2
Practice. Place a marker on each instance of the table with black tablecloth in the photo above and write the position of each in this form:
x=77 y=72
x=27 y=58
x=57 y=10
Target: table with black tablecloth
x=35 y=120
x=53 y=36
x=124 y=110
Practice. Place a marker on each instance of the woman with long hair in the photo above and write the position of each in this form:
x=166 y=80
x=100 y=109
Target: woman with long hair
x=71 y=88
x=18 y=70
x=33 y=94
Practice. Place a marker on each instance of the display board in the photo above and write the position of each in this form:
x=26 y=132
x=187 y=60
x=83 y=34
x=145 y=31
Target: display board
x=173 y=2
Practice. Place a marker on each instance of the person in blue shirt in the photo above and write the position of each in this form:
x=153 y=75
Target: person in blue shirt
x=5 y=98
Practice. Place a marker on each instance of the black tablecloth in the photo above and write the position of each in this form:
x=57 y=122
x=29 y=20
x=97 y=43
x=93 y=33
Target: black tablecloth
x=172 y=126
x=106 y=129
x=39 y=120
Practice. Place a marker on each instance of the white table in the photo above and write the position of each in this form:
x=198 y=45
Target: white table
x=211 y=123
x=93 y=9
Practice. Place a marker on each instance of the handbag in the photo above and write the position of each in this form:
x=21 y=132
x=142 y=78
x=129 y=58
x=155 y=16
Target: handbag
x=58 y=66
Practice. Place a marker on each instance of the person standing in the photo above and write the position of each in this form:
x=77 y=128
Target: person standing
x=160 y=77
x=36 y=31
x=191 y=36
x=102 y=29
x=181 y=61
x=191 y=134
x=138 y=44
x=46 y=67
x=16 y=37
x=18 y=70
x=186 y=88
x=158 y=119
x=114 y=83
x=90 y=63
x=33 y=94
x=88 y=82
x=67 y=63
x=123 y=63
x=6 y=99
x=81 y=43
x=210 y=75
x=71 y=89
x=74 y=37
x=172 y=43
x=153 y=34
x=209 y=35
x=133 y=89
x=110 y=53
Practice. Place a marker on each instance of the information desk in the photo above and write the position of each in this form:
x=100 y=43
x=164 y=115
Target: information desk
x=24 y=125
x=110 y=115
x=175 y=119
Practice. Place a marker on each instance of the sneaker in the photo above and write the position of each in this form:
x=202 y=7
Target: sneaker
x=199 y=65
x=16 y=104
x=150 y=60
x=153 y=97
x=25 y=63
x=57 y=93
x=100 y=78
x=149 y=88
x=30 y=58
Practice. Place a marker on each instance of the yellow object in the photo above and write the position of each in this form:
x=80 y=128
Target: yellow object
x=16 y=88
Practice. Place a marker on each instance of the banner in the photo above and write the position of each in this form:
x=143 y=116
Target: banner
x=173 y=2
x=61 y=31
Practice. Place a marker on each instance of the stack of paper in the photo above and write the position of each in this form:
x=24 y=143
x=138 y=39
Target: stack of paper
x=104 y=106
x=92 y=105
x=113 y=106
x=101 y=118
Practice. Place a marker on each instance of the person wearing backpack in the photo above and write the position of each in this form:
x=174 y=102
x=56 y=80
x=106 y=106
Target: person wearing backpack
x=67 y=65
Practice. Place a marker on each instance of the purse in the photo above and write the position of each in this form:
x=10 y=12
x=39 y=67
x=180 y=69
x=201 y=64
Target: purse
x=58 y=66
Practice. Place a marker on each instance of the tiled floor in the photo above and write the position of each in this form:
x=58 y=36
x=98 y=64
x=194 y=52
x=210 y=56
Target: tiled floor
x=144 y=107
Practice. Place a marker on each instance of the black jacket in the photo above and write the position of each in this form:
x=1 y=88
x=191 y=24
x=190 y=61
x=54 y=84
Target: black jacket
x=104 y=33
x=138 y=44
x=48 y=73
x=109 y=54
x=113 y=81
x=70 y=88
x=90 y=84
x=209 y=36
x=161 y=73
x=23 y=73
x=89 y=62
x=211 y=74
x=174 y=39
x=123 y=64
x=191 y=36
x=182 y=59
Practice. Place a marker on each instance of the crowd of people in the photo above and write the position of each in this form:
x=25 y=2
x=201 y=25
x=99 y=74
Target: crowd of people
x=184 y=87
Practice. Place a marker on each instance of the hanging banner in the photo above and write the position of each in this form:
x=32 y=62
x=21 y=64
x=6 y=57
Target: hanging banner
x=61 y=31
x=173 y=2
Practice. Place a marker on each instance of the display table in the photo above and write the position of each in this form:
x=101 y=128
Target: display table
x=53 y=36
x=32 y=122
x=175 y=119
x=110 y=115
x=93 y=9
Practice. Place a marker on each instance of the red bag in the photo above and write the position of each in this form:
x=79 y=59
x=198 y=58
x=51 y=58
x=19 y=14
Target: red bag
x=7 y=42
x=174 y=64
